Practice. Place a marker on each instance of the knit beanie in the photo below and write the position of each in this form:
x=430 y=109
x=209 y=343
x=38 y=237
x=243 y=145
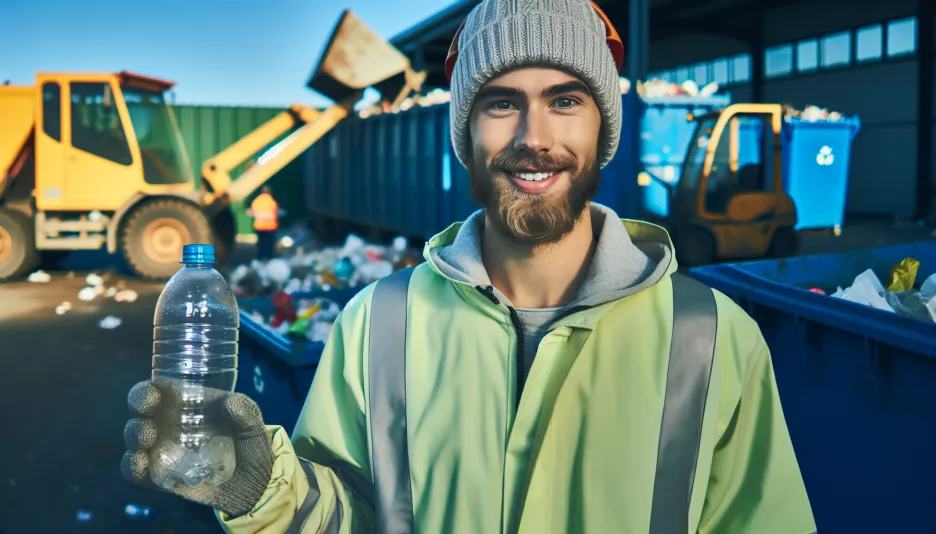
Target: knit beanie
x=500 y=35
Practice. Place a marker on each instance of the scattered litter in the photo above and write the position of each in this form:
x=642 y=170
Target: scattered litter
x=40 y=277
x=95 y=216
x=62 y=308
x=127 y=295
x=87 y=294
x=111 y=291
x=94 y=280
x=138 y=512
x=83 y=516
x=110 y=322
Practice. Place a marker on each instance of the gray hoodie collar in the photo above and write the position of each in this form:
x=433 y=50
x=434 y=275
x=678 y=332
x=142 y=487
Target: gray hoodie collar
x=619 y=267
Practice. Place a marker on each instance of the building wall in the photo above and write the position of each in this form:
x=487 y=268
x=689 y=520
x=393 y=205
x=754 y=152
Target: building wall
x=851 y=56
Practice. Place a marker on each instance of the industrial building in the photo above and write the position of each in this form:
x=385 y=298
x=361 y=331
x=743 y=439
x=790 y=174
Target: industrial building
x=866 y=58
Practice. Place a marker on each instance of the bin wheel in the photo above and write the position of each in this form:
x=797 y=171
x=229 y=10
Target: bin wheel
x=694 y=246
x=17 y=245
x=785 y=243
x=154 y=234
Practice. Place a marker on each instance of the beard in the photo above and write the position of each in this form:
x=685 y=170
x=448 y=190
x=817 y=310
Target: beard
x=533 y=219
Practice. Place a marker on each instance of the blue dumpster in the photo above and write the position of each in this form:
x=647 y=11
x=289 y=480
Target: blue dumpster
x=816 y=156
x=276 y=371
x=664 y=140
x=857 y=384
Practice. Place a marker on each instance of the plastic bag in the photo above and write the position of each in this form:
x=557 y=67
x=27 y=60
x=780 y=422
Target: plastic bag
x=867 y=290
x=903 y=275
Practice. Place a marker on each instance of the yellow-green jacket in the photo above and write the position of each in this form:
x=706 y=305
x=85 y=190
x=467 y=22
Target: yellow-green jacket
x=577 y=455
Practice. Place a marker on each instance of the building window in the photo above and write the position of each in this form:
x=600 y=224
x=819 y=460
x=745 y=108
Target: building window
x=720 y=71
x=778 y=61
x=901 y=37
x=741 y=68
x=682 y=75
x=836 y=49
x=869 y=43
x=700 y=74
x=807 y=55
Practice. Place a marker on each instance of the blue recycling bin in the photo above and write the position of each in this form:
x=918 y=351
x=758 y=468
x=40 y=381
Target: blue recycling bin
x=816 y=158
x=664 y=141
x=274 y=370
x=856 y=384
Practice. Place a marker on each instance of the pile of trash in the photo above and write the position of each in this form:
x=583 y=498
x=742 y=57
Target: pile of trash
x=811 y=114
x=900 y=296
x=432 y=98
x=305 y=269
x=657 y=88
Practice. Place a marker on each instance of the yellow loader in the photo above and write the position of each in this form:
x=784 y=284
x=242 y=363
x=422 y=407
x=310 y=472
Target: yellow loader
x=91 y=161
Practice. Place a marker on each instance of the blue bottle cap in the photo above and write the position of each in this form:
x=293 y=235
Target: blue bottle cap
x=198 y=254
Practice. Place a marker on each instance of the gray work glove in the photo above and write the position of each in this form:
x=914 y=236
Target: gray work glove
x=157 y=407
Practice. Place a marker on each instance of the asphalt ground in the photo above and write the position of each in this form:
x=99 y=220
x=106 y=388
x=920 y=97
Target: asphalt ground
x=63 y=387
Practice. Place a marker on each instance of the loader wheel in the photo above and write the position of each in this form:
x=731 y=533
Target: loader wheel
x=17 y=245
x=154 y=234
x=694 y=246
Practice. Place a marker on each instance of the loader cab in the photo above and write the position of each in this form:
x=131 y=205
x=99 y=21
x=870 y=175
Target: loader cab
x=730 y=202
x=102 y=138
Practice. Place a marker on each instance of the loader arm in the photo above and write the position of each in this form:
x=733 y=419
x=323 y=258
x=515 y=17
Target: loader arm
x=216 y=171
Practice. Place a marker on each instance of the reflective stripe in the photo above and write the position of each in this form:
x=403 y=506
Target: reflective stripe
x=312 y=498
x=695 y=320
x=692 y=351
x=387 y=374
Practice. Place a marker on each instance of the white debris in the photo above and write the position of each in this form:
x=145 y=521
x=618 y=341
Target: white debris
x=110 y=322
x=40 y=277
x=127 y=295
x=94 y=280
x=87 y=294
x=62 y=308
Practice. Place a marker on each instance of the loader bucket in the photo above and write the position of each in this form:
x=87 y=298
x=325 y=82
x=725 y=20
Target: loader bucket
x=356 y=58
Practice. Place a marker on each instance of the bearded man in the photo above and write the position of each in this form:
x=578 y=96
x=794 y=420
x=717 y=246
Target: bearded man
x=546 y=370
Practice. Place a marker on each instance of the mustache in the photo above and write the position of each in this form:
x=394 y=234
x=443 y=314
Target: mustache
x=521 y=161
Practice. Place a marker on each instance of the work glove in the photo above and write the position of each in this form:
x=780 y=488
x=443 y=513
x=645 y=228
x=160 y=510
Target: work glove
x=156 y=405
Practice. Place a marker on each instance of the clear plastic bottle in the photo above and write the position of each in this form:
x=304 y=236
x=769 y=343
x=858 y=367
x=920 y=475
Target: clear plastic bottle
x=195 y=336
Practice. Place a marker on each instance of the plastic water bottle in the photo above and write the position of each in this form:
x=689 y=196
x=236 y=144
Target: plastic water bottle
x=195 y=335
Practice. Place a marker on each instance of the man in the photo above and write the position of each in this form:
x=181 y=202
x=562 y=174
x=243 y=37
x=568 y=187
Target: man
x=265 y=212
x=533 y=377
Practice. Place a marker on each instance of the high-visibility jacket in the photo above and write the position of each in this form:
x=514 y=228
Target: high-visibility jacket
x=614 y=431
x=265 y=213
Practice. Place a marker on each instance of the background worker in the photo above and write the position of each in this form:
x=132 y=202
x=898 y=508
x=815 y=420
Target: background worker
x=265 y=212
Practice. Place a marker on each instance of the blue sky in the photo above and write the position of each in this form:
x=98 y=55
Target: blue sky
x=224 y=52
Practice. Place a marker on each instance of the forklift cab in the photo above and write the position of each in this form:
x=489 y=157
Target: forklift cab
x=729 y=202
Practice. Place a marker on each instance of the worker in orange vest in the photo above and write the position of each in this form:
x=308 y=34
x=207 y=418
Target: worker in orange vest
x=265 y=212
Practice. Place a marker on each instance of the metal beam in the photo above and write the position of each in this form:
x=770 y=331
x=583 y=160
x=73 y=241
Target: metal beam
x=926 y=42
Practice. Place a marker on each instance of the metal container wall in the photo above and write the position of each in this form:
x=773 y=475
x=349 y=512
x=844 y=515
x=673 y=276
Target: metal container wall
x=856 y=384
x=207 y=130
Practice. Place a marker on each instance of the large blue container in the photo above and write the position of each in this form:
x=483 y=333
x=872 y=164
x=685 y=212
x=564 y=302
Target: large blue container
x=664 y=141
x=399 y=173
x=816 y=157
x=857 y=385
x=276 y=371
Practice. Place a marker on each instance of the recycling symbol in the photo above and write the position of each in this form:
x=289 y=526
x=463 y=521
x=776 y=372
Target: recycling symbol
x=258 y=379
x=825 y=156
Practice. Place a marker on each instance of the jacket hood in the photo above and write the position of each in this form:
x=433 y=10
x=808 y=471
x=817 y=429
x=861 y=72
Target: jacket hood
x=630 y=256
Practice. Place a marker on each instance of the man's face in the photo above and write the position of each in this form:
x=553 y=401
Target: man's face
x=534 y=137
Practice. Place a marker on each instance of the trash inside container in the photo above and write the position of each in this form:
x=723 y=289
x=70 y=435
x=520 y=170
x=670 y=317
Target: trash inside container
x=666 y=130
x=274 y=370
x=816 y=157
x=857 y=384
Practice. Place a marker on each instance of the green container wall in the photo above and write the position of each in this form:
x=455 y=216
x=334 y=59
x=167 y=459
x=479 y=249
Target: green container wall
x=207 y=130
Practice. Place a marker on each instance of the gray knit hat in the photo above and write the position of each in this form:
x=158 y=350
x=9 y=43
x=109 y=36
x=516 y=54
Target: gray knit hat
x=499 y=35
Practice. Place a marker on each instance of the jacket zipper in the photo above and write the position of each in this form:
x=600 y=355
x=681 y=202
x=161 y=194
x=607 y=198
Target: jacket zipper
x=515 y=320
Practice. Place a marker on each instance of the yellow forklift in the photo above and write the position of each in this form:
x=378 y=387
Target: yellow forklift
x=727 y=208
x=91 y=161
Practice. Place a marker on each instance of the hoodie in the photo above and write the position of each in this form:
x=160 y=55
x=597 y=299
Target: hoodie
x=618 y=268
